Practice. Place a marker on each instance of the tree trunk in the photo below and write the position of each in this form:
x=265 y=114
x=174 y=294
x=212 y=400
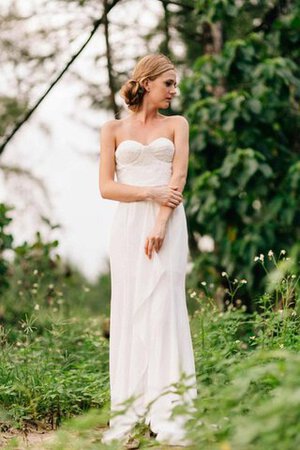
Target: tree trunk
x=111 y=80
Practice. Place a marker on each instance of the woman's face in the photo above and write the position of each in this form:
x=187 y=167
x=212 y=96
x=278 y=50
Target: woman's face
x=162 y=89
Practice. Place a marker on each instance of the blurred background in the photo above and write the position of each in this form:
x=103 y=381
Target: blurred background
x=51 y=164
x=62 y=65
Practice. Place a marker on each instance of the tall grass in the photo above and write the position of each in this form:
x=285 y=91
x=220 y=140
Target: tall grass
x=54 y=359
x=52 y=376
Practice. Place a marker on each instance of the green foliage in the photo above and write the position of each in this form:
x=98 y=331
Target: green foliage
x=53 y=375
x=247 y=371
x=11 y=110
x=6 y=240
x=247 y=368
x=257 y=408
x=244 y=175
x=37 y=279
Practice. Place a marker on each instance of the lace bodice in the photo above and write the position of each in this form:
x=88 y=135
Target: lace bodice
x=144 y=165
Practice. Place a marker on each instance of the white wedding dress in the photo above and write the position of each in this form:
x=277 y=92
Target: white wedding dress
x=150 y=339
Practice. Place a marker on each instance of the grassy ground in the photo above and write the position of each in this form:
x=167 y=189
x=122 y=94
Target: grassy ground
x=55 y=376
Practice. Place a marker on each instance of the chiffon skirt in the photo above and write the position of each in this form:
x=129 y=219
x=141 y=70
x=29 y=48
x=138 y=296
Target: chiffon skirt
x=150 y=339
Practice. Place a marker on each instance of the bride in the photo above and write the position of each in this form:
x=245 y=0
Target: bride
x=150 y=346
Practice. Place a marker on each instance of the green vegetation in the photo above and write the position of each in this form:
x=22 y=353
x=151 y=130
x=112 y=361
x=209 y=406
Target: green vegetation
x=242 y=102
x=54 y=357
x=239 y=89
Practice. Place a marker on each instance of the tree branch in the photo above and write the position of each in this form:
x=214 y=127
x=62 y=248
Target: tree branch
x=18 y=125
x=271 y=16
x=111 y=79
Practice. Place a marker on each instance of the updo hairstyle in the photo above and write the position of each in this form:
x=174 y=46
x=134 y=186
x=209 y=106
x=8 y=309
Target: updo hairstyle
x=148 y=67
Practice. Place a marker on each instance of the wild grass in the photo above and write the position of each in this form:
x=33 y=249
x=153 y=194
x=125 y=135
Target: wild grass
x=54 y=371
x=51 y=376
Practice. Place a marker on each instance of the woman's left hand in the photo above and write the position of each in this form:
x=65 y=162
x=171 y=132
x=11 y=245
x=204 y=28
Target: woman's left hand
x=155 y=238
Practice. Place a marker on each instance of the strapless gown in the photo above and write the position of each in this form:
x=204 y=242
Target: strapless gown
x=150 y=340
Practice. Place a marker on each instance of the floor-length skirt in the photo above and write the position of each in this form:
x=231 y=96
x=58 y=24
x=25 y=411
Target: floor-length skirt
x=150 y=338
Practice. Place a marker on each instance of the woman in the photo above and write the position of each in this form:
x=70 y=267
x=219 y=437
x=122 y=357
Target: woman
x=150 y=340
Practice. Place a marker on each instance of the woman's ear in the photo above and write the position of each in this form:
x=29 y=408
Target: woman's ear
x=145 y=85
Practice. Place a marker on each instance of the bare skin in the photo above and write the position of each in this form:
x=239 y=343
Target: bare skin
x=145 y=126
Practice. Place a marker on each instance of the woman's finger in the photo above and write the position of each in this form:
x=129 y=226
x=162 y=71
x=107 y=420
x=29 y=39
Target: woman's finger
x=146 y=247
x=177 y=196
x=156 y=245
x=171 y=204
x=159 y=244
x=150 y=248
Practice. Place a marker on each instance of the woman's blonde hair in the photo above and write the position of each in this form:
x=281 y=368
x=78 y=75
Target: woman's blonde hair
x=148 y=67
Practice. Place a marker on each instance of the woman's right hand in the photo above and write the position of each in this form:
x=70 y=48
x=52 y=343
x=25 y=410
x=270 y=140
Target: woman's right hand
x=167 y=195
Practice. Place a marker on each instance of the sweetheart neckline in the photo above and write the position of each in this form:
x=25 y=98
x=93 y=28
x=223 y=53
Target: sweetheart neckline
x=144 y=145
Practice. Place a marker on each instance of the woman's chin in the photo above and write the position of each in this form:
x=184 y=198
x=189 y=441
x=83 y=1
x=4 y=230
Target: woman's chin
x=165 y=105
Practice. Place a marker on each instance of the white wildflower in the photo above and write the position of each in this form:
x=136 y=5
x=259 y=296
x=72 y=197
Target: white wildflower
x=282 y=252
x=37 y=307
x=203 y=283
x=257 y=20
x=261 y=257
x=256 y=258
x=206 y=243
x=224 y=274
x=243 y=281
x=270 y=254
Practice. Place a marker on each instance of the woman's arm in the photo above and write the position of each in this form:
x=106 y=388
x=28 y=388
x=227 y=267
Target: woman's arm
x=113 y=190
x=180 y=163
x=155 y=238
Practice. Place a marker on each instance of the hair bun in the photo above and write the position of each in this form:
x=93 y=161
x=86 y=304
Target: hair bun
x=132 y=92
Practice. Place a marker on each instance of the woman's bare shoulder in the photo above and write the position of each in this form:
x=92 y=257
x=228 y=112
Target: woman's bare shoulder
x=110 y=125
x=177 y=120
x=113 y=125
